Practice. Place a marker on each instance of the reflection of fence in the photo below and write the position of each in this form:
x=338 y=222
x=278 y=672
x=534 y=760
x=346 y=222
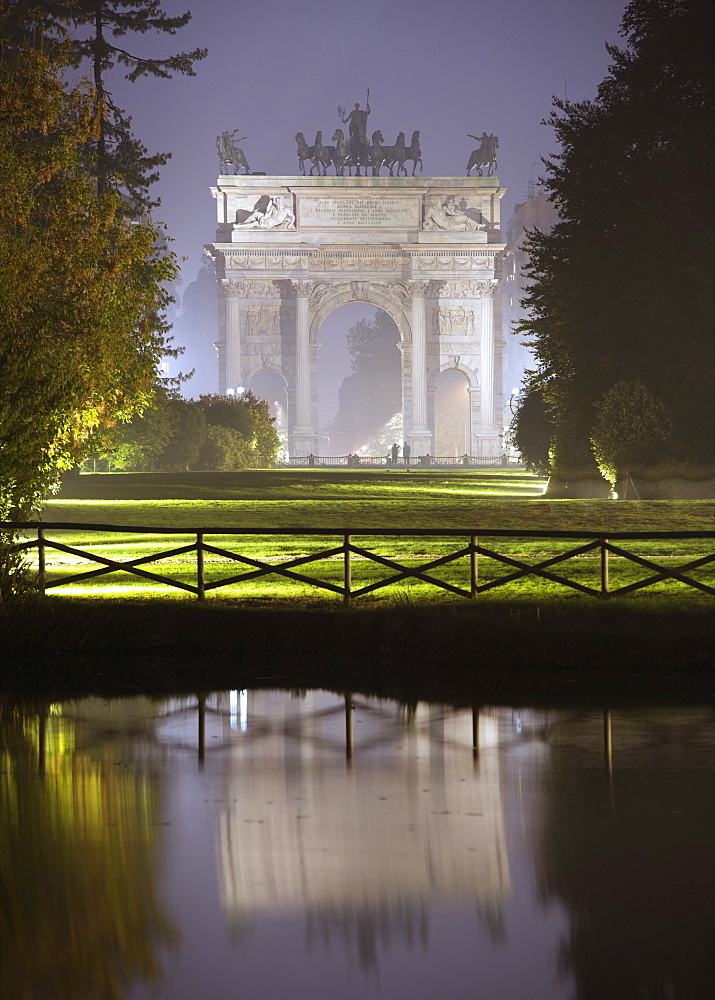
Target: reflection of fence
x=385 y=462
x=468 y=547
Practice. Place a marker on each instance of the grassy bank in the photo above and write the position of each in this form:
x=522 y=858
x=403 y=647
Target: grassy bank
x=536 y=638
x=352 y=500
x=500 y=651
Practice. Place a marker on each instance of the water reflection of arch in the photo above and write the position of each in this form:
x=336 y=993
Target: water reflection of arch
x=374 y=294
x=363 y=848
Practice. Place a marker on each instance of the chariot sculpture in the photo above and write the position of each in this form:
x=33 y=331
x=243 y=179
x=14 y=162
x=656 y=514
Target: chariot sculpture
x=355 y=151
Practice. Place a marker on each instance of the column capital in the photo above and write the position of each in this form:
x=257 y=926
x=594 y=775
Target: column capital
x=302 y=287
x=418 y=287
x=486 y=289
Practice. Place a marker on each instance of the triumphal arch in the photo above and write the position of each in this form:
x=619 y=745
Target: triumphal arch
x=427 y=250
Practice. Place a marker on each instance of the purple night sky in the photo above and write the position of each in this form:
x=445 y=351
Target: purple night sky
x=277 y=67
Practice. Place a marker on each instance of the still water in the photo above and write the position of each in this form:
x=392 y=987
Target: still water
x=270 y=844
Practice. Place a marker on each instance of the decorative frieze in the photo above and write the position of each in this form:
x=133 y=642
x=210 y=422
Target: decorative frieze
x=262 y=321
x=262 y=347
x=463 y=347
x=487 y=289
x=452 y=263
x=453 y=321
x=248 y=289
x=455 y=289
x=290 y=260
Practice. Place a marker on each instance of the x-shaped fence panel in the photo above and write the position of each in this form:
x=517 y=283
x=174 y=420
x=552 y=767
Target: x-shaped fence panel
x=257 y=568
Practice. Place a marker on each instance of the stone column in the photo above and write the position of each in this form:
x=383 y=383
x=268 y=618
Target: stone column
x=233 y=337
x=303 y=435
x=489 y=432
x=420 y=436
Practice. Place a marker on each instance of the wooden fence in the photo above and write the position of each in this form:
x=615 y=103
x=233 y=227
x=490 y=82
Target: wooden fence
x=469 y=546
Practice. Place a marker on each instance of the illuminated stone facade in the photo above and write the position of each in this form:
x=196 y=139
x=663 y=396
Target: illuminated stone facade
x=290 y=250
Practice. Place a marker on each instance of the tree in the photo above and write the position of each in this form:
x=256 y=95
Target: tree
x=179 y=435
x=532 y=430
x=224 y=450
x=188 y=435
x=119 y=158
x=622 y=288
x=632 y=429
x=251 y=418
x=82 y=292
x=195 y=330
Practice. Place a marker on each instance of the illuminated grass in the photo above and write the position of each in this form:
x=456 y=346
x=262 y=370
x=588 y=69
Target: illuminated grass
x=353 y=500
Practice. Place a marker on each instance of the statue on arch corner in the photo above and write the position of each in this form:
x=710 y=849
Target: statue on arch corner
x=229 y=154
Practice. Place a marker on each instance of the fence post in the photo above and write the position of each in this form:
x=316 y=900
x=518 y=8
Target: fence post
x=41 y=559
x=200 y=565
x=349 y=726
x=604 y=568
x=473 y=566
x=347 y=570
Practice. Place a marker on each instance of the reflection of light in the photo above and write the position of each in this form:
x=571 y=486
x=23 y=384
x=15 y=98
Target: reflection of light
x=518 y=724
x=238 y=708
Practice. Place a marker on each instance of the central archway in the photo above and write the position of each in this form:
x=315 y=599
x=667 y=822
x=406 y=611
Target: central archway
x=359 y=381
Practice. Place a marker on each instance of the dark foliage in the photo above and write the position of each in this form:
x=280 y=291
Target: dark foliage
x=215 y=432
x=91 y=31
x=623 y=286
x=532 y=429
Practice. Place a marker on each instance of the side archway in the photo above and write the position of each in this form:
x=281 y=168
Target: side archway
x=453 y=409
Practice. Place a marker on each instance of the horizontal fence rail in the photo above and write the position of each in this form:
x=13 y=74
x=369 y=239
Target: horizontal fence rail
x=468 y=546
x=385 y=462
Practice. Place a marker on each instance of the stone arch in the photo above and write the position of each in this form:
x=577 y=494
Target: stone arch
x=469 y=373
x=278 y=369
x=473 y=402
x=343 y=293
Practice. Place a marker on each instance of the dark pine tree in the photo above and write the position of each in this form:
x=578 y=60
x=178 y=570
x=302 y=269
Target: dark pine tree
x=622 y=289
x=119 y=158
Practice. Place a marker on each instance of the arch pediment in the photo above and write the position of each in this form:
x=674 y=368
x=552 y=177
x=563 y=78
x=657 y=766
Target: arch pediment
x=393 y=297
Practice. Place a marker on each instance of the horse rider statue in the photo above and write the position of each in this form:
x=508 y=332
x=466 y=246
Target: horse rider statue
x=485 y=156
x=229 y=154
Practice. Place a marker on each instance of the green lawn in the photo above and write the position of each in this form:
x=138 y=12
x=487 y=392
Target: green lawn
x=472 y=501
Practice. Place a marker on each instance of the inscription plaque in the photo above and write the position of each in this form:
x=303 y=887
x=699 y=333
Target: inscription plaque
x=376 y=211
